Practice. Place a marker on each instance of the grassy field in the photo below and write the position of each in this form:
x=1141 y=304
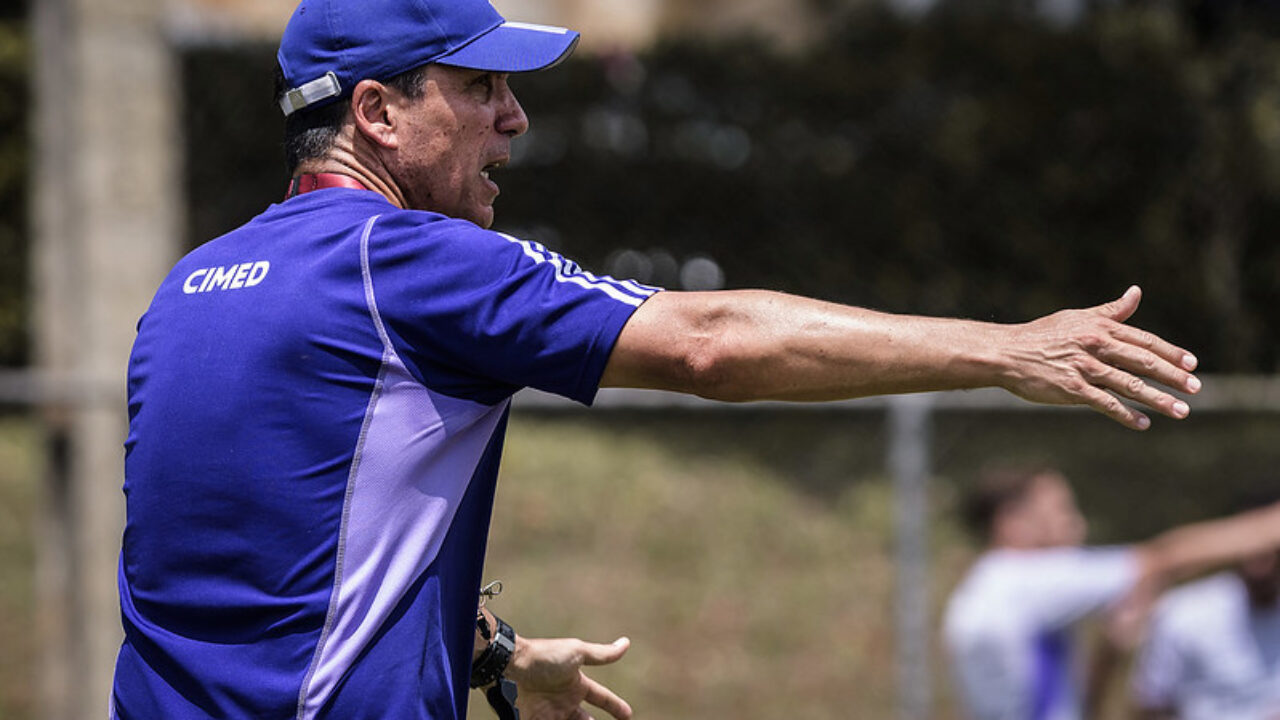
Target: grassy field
x=17 y=568
x=744 y=597
x=747 y=554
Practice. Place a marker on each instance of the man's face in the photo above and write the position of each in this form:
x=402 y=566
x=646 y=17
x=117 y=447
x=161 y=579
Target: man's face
x=1047 y=515
x=452 y=137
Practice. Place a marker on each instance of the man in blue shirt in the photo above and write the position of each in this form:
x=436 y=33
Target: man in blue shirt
x=317 y=399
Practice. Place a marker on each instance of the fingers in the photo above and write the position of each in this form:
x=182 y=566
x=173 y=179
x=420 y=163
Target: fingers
x=1125 y=306
x=1109 y=405
x=1121 y=309
x=1145 y=365
x=1134 y=388
x=1134 y=357
x=1140 y=351
x=605 y=699
x=1092 y=357
x=598 y=654
x=1167 y=351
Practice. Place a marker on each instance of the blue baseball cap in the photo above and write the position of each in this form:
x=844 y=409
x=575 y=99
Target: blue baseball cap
x=330 y=45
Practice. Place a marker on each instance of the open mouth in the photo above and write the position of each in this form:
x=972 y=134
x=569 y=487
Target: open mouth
x=495 y=165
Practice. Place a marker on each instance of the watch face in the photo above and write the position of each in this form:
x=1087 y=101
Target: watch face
x=507 y=643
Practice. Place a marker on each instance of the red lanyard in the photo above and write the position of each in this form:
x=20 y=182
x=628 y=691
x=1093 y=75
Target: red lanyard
x=319 y=181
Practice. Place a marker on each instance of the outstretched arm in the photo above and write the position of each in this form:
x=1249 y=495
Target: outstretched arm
x=1189 y=550
x=1169 y=558
x=760 y=345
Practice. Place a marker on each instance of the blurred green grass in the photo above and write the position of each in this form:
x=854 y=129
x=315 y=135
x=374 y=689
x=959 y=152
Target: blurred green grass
x=17 y=568
x=743 y=596
x=748 y=553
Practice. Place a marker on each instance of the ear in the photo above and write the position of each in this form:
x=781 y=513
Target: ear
x=374 y=113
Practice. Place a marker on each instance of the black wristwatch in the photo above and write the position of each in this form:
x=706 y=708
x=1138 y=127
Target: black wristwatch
x=489 y=667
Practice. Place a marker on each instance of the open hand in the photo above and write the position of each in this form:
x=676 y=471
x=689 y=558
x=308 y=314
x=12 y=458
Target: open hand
x=1091 y=357
x=550 y=682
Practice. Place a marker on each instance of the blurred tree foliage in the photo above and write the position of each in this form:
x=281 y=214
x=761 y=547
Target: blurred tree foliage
x=13 y=195
x=976 y=162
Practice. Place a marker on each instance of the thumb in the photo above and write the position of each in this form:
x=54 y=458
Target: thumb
x=600 y=654
x=1123 y=308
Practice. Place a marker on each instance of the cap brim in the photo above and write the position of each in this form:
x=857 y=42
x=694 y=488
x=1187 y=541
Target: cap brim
x=514 y=47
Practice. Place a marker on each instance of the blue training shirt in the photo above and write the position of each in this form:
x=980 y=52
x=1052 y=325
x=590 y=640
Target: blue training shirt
x=317 y=403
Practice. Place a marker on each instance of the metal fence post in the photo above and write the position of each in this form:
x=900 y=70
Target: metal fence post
x=908 y=460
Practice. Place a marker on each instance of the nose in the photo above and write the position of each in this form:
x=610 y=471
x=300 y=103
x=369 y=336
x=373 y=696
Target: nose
x=510 y=120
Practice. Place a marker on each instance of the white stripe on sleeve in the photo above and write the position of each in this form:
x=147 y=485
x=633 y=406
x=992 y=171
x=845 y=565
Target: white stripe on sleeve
x=567 y=271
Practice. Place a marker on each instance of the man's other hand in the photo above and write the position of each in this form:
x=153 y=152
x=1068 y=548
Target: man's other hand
x=551 y=684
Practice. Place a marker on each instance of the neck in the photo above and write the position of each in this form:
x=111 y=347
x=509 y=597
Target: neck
x=343 y=159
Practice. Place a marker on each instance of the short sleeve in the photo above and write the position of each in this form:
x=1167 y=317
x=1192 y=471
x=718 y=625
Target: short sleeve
x=480 y=314
x=1061 y=586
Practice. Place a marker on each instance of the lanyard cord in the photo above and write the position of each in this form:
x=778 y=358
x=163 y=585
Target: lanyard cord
x=319 y=181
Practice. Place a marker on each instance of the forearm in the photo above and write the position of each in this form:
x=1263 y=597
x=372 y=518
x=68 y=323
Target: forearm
x=1193 y=549
x=757 y=345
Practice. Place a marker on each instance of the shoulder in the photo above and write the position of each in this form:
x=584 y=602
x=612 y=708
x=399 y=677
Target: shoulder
x=445 y=243
x=1067 y=565
x=419 y=227
x=1187 y=608
x=983 y=597
x=1032 y=587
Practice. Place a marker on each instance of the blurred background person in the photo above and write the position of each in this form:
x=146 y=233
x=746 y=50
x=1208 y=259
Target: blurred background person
x=1009 y=624
x=1212 y=649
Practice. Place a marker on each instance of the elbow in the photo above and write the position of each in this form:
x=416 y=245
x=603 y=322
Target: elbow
x=707 y=373
x=713 y=369
x=702 y=344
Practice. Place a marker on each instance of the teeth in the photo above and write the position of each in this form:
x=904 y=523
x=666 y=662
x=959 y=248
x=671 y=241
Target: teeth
x=484 y=174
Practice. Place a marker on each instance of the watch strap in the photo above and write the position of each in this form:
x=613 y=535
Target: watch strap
x=502 y=698
x=493 y=661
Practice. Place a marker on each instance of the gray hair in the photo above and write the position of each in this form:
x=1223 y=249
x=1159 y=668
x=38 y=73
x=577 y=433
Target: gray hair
x=309 y=133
